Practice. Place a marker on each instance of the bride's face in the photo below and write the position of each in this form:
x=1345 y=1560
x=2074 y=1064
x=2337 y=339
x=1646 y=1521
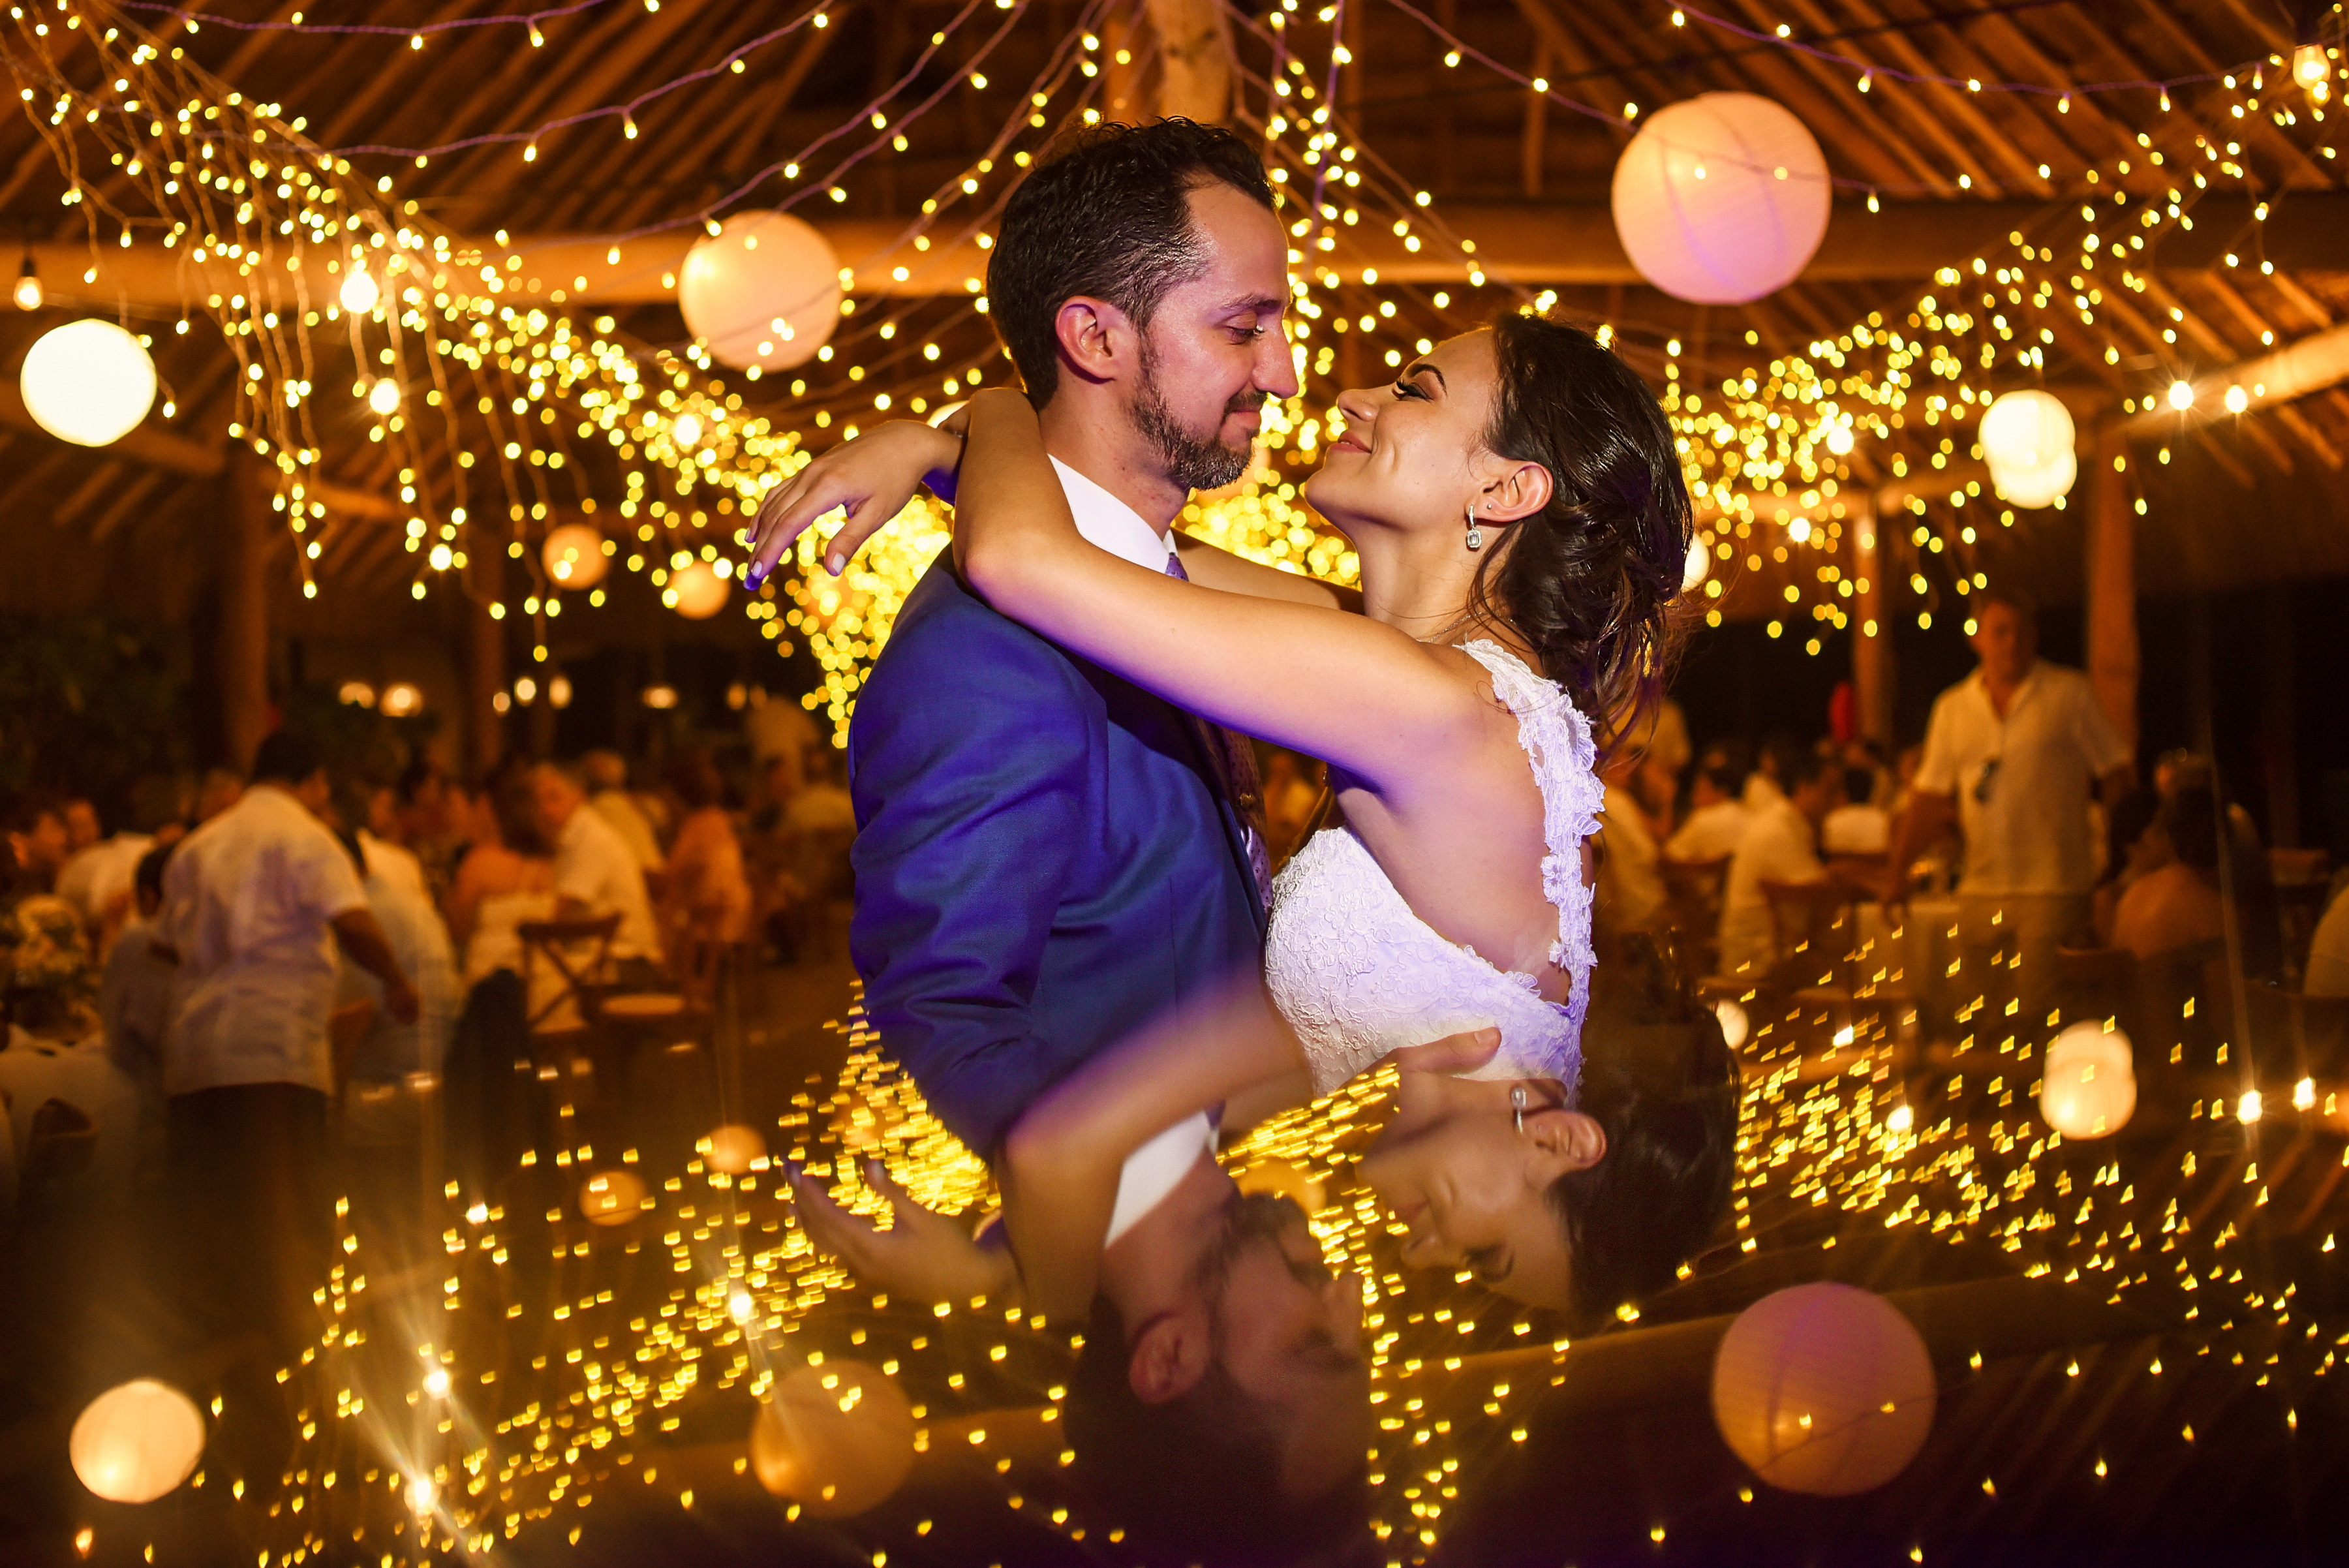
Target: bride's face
x=1411 y=454
x=1452 y=1165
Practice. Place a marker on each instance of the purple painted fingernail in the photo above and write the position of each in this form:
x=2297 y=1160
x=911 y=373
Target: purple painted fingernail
x=752 y=578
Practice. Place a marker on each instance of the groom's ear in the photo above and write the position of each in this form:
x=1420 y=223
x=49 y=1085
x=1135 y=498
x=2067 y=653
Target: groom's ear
x=1170 y=1354
x=1097 y=340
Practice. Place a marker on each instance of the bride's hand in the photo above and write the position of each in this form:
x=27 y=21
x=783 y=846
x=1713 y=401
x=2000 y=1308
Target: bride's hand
x=1453 y=1054
x=869 y=478
x=924 y=1254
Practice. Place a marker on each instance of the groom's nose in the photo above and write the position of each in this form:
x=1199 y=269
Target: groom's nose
x=1276 y=368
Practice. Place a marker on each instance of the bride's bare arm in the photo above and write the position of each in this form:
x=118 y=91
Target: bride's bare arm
x=870 y=480
x=1061 y=1163
x=1358 y=694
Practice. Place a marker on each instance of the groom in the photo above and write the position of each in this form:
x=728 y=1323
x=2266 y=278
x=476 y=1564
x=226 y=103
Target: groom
x=1050 y=858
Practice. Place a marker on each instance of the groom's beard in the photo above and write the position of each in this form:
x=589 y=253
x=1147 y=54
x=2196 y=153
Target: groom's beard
x=1195 y=463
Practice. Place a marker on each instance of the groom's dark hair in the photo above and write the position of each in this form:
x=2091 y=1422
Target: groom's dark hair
x=1106 y=214
x=1196 y=1475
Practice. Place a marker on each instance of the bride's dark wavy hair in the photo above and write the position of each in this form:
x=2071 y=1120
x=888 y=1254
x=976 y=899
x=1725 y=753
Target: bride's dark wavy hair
x=1591 y=580
x=1659 y=1076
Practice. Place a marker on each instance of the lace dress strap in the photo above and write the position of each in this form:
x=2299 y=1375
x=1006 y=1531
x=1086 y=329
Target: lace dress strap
x=1557 y=739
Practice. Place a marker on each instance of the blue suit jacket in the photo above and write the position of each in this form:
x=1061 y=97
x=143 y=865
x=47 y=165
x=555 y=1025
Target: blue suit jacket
x=1044 y=859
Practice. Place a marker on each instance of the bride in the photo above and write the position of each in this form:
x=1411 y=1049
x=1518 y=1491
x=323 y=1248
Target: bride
x=1515 y=501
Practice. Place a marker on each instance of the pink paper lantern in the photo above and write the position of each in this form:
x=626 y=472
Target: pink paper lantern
x=1722 y=198
x=1824 y=1389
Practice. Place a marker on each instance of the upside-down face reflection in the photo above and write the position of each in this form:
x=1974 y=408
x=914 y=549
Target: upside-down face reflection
x=1474 y=1191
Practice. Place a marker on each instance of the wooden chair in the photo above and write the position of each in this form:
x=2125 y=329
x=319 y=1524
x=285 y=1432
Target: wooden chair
x=1812 y=928
x=559 y=944
x=1693 y=891
x=59 y=1145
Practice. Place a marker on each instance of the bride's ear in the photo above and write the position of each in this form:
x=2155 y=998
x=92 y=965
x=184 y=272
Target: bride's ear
x=1097 y=341
x=1513 y=490
x=1171 y=1354
x=1561 y=1141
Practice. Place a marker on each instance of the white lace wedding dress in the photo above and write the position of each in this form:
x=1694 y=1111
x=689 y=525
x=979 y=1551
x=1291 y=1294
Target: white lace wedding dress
x=1358 y=975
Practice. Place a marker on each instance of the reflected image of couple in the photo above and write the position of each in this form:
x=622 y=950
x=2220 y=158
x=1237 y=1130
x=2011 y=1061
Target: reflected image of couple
x=1068 y=931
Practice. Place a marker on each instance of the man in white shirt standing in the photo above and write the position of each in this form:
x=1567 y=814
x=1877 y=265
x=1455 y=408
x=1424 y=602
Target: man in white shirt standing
x=255 y=903
x=595 y=873
x=2012 y=754
x=1781 y=845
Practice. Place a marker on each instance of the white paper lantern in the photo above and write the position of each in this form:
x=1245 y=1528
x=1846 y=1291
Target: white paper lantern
x=1722 y=198
x=697 y=591
x=1735 y=1024
x=1824 y=1389
x=573 y=555
x=88 y=382
x=763 y=291
x=2088 y=1089
x=837 y=1440
x=612 y=1197
x=136 y=1442
x=2027 y=440
x=733 y=1149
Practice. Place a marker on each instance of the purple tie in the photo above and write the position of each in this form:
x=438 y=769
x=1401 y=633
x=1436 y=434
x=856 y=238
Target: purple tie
x=1234 y=758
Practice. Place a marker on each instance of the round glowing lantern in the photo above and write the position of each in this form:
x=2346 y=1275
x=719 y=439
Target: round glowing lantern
x=2089 y=1087
x=1735 y=1024
x=573 y=555
x=733 y=1149
x=697 y=591
x=88 y=382
x=837 y=1440
x=1824 y=1389
x=2027 y=440
x=138 y=1442
x=763 y=291
x=1722 y=198
x=612 y=1197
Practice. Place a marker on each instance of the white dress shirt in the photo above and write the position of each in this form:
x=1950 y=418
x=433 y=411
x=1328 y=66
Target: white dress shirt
x=419 y=940
x=1778 y=846
x=1631 y=895
x=1158 y=1167
x=595 y=866
x=2023 y=783
x=248 y=903
x=102 y=873
x=1711 y=833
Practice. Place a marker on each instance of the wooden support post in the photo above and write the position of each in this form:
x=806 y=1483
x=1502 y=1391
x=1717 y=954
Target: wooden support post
x=1872 y=673
x=2112 y=585
x=1195 y=59
x=485 y=677
x=243 y=662
x=1120 y=93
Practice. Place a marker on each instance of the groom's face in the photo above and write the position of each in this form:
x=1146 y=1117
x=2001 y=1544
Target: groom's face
x=1217 y=345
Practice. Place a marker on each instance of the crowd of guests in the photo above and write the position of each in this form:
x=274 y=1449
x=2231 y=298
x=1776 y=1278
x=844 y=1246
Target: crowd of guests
x=2021 y=807
x=240 y=951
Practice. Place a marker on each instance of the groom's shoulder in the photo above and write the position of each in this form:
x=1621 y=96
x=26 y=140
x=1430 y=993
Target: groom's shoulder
x=945 y=637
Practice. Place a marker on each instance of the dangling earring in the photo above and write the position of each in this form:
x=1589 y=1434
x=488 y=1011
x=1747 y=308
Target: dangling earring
x=1475 y=534
x=1517 y=1108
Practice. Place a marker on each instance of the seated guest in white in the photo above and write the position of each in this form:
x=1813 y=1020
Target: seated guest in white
x=134 y=1002
x=1767 y=782
x=381 y=852
x=1781 y=845
x=1630 y=889
x=1857 y=827
x=1716 y=818
x=595 y=873
x=393 y=884
x=255 y=903
x=606 y=776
